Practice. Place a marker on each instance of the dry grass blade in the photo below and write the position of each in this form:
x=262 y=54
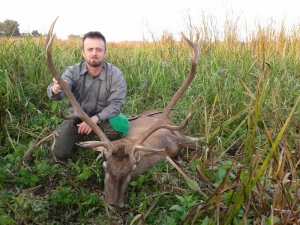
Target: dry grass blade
x=190 y=182
x=35 y=146
x=50 y=137
x=136 y=218
x=143 y=216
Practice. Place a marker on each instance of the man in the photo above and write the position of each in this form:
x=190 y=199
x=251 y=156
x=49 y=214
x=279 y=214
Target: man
x=99 y=88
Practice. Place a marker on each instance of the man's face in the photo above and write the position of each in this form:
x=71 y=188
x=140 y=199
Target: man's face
x=94 y=51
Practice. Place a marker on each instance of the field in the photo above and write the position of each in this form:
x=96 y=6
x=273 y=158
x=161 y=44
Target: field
x=245 y=110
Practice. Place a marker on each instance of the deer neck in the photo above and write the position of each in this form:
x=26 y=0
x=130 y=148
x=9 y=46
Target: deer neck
x=146 y=162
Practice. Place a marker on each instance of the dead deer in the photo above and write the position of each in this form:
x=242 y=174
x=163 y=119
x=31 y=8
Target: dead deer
x=150 y=139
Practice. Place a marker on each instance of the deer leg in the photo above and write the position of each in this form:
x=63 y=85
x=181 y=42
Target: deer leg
x=190 y=146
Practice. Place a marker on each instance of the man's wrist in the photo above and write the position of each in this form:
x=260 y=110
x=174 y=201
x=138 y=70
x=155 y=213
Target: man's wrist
x=56 y=93
x=99 y=119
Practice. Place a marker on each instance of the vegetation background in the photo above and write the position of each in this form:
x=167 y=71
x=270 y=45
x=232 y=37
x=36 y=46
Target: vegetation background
x=245 y=106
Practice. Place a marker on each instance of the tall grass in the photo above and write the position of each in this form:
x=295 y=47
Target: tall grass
x=245 y=106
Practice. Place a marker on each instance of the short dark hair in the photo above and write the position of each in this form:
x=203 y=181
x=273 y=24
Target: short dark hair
x=94 y=34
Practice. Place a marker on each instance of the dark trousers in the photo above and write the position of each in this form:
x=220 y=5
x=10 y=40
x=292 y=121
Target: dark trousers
x=65 y=143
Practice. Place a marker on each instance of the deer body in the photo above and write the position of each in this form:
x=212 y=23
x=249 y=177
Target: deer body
x=118 y=168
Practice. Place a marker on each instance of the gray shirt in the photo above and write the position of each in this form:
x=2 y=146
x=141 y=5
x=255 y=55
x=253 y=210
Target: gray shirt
x=108 y=100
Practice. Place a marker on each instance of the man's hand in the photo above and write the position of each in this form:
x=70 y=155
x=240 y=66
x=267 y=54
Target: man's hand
x=56 y=87
x=83 y=128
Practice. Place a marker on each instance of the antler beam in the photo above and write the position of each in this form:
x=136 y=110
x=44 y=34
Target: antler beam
x=161 y=123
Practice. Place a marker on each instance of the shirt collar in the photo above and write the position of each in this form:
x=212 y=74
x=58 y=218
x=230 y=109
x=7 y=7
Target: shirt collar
x=83 y=69
x=103 y=71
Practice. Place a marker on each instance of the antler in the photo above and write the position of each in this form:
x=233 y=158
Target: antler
x=162 y=122
x=78 y=112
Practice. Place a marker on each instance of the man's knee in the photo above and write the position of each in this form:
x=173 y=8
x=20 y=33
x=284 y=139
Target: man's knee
x=114 y=136
x=66 y=141
x=109 y=131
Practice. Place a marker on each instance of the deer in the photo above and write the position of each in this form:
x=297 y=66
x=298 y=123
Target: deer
x=151 y=138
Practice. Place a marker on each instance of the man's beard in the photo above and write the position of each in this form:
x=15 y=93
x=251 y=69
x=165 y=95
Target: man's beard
x=94 y=63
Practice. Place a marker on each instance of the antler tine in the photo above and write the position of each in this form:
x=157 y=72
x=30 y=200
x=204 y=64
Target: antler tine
x=161 y=123
x=78 y=112
x=91 y=144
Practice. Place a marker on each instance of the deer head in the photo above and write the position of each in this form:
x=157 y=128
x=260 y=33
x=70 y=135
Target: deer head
x=149 y=140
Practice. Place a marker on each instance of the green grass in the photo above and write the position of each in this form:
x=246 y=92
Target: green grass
x=245 y=109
